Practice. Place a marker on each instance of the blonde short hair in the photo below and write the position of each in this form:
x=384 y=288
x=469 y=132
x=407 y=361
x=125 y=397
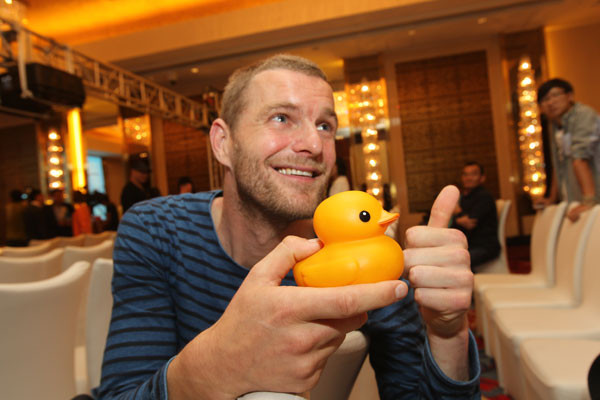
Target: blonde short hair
x=234 y=98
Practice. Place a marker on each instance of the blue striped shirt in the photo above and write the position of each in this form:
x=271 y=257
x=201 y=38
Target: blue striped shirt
x=172 y=280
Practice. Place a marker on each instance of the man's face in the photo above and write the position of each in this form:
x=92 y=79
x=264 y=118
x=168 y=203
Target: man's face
x=139 y=177
x=283 y=145
x=556 y=102
x=471 y=177
x=58 y=197
x=185 y=188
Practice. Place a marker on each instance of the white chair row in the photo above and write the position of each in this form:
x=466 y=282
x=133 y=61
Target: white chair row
x=28 y=251
x=83 y=240
x=517 y=318
x=92 y=239
x=28 y=269
x=38 y=341
x=59 y=241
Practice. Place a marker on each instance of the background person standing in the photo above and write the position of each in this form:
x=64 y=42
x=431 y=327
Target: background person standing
x=574 y=144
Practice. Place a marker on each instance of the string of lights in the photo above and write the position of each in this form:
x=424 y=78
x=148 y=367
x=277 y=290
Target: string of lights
x=55 y=152
x=367 y=111
x=530 y=132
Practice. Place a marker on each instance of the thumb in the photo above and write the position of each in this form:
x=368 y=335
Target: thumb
x=275 y=265
x=443 y=206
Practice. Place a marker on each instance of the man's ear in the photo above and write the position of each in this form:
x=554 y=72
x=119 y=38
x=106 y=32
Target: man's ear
x=220 y=141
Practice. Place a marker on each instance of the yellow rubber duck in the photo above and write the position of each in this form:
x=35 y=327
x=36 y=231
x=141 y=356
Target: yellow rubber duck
x=355 y=250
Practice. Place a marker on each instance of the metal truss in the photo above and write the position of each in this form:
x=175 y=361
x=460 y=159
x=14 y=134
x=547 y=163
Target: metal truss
x=20 y=46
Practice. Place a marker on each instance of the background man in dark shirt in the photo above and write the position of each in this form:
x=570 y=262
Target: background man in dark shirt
x=476 y=216
x=138 y=187
x=59 y=215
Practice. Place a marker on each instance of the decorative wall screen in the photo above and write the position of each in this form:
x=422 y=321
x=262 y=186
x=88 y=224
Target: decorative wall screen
x=446 y=119
x=186 y=154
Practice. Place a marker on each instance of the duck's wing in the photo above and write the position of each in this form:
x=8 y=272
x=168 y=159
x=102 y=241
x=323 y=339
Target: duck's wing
x=335 y=272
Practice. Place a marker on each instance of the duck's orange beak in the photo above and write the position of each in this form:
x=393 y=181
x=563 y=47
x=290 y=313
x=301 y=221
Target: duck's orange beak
x=387 y=218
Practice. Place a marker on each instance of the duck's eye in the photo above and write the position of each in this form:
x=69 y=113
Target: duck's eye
x=364 y=216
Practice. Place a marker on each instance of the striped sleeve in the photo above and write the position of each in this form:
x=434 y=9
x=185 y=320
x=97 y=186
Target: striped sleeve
x=400 y=356
x=142 y=335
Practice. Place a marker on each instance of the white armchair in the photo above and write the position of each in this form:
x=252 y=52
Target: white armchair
x=29 y=269
x=89 y=254
x=61 y=241
x=97 y=320
x=28 y=251
x=543 y=248
x=557 y=369
x=91 y=239
x=38 y=335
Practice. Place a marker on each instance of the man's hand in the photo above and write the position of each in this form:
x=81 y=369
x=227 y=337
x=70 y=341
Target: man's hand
x=574 y=213
x=466 y=222
x=457 y=209
x=271 y=337
x=438 y=267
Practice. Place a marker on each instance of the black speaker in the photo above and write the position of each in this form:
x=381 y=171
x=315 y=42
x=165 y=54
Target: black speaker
x=49 y=86
x=10 y=98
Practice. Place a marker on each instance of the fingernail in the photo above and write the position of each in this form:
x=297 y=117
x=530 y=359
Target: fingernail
x=316 y=240
x=400 y=291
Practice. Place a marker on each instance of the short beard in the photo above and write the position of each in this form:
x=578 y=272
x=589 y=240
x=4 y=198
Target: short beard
x=259 y=195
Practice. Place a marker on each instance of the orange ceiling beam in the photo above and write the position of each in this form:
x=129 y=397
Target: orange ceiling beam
x=76 y=21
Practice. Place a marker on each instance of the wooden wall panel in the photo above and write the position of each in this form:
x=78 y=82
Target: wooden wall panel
x=446 y=120
x=18 y=165
x=186 y=154
x=361 y=68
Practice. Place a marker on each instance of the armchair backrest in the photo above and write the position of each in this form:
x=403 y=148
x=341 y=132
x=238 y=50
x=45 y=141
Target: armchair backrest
x=30 y=269
x=37 y=339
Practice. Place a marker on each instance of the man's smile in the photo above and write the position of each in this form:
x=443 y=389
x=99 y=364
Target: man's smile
x=297 y=172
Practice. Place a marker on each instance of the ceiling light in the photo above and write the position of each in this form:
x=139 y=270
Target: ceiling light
x=481 y=20
x=194 y=70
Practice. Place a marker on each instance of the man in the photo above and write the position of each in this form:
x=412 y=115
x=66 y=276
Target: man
x=137 y=188
x=59 y=214
x=36 y=221
x=575 y=148
x=205 y=305
x=185 y=185
x=15 y=220
x=476 y=216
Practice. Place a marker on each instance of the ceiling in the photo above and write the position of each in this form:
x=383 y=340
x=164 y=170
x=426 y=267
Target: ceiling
x=76 y=21
x=189 y=56
x=190 y=45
